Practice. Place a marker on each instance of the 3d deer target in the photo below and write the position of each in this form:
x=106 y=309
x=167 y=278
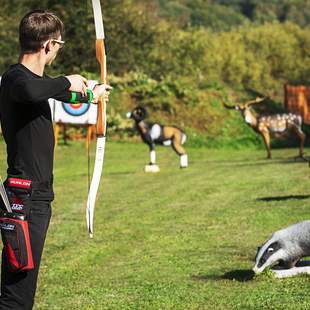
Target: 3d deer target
x=267 y=125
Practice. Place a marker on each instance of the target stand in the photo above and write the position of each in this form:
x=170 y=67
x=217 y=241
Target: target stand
x=90 y=135
x=76 y=115
x=151 y=168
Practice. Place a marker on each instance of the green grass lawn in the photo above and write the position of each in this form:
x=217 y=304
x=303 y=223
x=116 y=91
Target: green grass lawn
x=179 y=239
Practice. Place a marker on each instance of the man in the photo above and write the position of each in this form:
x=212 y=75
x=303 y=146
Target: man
x=28 y=132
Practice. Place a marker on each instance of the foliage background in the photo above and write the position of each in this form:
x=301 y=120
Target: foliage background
x=178 y=57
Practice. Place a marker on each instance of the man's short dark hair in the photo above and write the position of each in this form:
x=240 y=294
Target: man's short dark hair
x=36 y=27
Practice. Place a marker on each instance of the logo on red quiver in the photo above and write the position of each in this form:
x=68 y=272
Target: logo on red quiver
x=17 y=204
x=6 y=226
x=22 y=183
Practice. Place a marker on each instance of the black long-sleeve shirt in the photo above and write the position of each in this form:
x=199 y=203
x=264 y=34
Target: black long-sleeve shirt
x=26 y=123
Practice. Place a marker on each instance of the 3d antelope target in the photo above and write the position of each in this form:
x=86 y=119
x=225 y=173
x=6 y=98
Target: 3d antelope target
x=154 y=133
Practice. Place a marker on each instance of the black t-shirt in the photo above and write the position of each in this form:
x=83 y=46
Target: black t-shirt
x=27 y=123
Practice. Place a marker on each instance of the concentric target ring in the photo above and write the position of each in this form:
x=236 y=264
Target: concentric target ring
x=75 y=109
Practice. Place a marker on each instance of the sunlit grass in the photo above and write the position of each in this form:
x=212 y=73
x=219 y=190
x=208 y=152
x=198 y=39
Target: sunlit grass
x=179 y=239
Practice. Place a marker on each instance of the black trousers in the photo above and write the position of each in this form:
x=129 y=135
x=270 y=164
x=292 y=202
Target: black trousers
x=18 y=289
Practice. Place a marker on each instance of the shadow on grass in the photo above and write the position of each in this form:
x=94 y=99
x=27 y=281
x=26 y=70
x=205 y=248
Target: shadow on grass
x=257 y=161
x=275 y=161
x=121 y=173
x=234 y=275
x=281 y=198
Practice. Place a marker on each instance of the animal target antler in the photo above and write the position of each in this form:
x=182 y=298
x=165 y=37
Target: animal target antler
x=245 y=105
x=101 y=119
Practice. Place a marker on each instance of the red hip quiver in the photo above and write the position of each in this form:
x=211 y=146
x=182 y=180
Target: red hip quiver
x=15 y=237
x=15 y=232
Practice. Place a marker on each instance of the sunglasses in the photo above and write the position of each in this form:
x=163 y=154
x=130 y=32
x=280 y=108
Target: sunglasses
x=60 y=42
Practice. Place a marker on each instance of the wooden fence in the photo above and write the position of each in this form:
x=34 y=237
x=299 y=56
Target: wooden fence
x=297 y=100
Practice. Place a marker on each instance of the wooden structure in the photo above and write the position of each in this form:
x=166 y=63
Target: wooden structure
x=297 y=100
x=90 y=135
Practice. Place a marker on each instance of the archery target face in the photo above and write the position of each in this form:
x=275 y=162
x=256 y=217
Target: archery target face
x=75 y=109
x=78 y=113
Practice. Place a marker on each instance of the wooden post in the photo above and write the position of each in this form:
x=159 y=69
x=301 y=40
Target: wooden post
x=90 y=132
x=56 y=133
